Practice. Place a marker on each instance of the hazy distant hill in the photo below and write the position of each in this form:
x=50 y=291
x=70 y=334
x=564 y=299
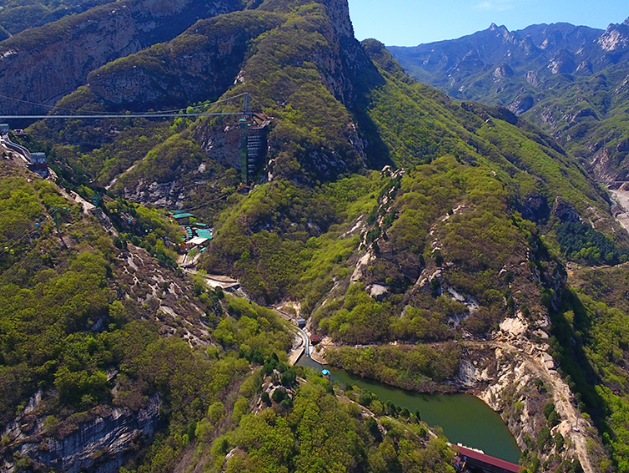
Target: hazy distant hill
x=571 y=80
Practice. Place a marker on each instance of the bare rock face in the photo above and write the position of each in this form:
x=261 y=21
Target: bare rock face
x=348 y=59
x=222 y=145
x=562 y=63
x=535 y=208
x=524 y=373
x=41 y=65
x=99 y=443
x=503 y=71
x=200 y=63
x=565 y=212
x=532 y=78
x=338 y=11
x=615 y=38
x=522 y=104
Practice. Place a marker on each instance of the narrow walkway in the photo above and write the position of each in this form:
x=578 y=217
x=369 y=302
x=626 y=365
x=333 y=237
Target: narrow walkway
x=76 y=198
x=11 y=147
x=306 y=340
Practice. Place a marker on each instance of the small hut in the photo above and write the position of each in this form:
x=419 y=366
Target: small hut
x=183 y=218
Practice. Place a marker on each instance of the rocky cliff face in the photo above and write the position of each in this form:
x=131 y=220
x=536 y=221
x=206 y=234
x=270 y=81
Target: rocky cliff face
x=98 y=443
x=41 y=65
x=199 y=64
x=518 y=379
x=351 y=59
x=102 y=438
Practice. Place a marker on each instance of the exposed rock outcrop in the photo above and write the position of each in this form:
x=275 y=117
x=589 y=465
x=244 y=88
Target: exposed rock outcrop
x=523 y=373
x=200 y=63
x=565 y=212
x=522 y=104
x=99 y=443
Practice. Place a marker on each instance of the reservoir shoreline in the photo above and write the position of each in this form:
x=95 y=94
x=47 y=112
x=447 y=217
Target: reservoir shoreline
x=465 y=418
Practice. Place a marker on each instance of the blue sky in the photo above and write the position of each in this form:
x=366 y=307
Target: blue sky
x=411 y=22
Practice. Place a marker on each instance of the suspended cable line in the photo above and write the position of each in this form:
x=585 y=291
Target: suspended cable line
x=129 y=115
x=160 y=114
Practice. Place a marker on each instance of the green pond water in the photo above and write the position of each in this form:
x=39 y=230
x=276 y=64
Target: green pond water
x=465 y=419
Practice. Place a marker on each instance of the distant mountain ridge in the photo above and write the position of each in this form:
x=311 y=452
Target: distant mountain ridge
x=571 y=80
x=543 y=50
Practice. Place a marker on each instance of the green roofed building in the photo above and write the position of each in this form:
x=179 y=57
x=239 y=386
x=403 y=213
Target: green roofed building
x=204 y=234
x=183 y=218
x=184 y=215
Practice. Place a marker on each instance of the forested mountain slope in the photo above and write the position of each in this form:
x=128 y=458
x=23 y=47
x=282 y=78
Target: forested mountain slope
x=107 y=343
x=110 y=356
x=570 y=80
x=16 y=16
x=384 y=210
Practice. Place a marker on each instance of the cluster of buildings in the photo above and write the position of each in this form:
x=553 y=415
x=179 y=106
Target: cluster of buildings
x=196 y=234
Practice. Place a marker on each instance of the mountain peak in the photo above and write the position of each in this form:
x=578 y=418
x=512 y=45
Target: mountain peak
x=494 y=27
x=338 y=10
x=626 y=22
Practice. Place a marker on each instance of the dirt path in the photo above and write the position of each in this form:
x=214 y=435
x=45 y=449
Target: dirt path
x=301 y=339
x=299 y=346
x=74 y=197
x=115 y=179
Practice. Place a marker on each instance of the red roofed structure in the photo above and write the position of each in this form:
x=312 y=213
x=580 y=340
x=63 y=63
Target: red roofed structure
x=485 y=462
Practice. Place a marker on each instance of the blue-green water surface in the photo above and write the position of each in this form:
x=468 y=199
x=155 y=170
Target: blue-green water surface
x=465 y=419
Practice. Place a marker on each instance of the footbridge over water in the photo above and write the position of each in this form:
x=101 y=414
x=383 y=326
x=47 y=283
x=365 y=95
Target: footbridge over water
x=486 y=463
